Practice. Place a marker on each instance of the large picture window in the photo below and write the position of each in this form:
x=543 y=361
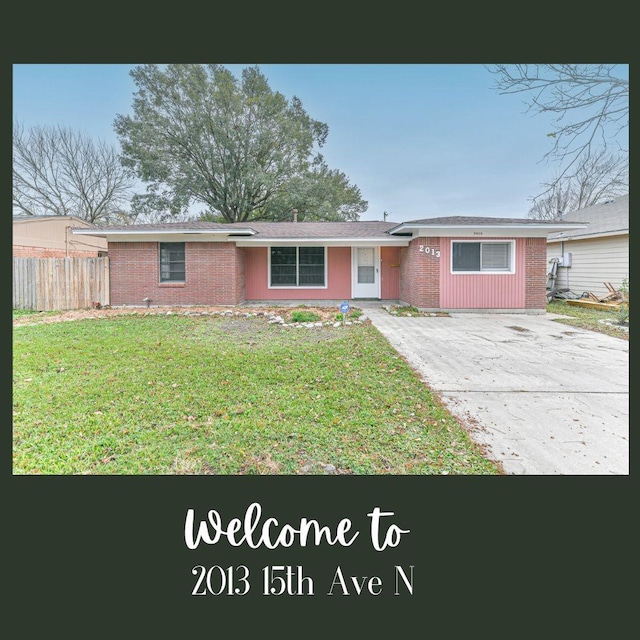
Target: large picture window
x=489 y=257
x=297 y=267
x=172 y=262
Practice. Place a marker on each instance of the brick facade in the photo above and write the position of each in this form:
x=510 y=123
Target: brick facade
x=536 y=273
x=420 y=274
x=214 y=275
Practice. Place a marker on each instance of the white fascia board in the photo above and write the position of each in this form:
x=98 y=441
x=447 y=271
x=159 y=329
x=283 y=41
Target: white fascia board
x=326 y=242
x=588 y=236
x=487 y=230
x=176 y=235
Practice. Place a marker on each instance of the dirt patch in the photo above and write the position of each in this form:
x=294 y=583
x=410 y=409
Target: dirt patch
x=326 y=314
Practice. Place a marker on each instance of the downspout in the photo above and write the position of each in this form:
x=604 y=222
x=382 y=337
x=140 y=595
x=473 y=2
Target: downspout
x=66 y=240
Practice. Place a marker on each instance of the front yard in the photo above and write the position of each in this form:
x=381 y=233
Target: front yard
x=203 y=394
x=597 y=320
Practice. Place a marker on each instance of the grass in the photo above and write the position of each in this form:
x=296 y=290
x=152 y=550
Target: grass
x=304 y=316
x=589 y=319
x=215 y=395
x=19 y=313
x=409 y=311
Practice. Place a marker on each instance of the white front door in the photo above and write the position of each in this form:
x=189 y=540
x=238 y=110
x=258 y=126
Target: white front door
x=366 y=272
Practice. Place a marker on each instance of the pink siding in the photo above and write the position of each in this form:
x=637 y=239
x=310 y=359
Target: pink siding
x=390 y=273
x=338 y=277
x=482 y=291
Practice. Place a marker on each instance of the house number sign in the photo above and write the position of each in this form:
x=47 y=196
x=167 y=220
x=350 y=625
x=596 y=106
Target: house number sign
x=429 y=251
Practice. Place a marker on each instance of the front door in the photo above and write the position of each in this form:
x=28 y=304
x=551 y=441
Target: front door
x=366 y=272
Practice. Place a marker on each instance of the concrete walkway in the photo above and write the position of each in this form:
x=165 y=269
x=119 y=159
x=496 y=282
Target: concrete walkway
x=541 y=396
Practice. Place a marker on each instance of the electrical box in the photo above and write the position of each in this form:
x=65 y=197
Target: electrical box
x=566 y=259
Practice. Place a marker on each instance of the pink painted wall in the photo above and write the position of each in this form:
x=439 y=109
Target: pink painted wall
x=390 y=273
x=482 y=291
x=338 y=277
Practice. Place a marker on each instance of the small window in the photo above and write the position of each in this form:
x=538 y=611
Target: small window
x=172 y=262
x=481 y=256
x=297 y=267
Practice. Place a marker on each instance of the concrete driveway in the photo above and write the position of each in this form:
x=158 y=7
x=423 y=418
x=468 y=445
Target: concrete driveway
x=541 y=396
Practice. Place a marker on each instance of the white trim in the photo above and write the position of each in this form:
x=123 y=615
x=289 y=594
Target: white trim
x=588 y=236
x=484 y=272
x=297 y=288
x=530 y=230
x=315 y=242
x=135 y=235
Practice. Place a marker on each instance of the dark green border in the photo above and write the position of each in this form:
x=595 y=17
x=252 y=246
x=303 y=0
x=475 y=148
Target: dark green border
x=503 y=556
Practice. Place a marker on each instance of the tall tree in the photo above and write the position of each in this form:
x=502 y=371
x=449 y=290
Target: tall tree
x=200 y=136
x=596 y=179
x=59 y=171
x=588 y=104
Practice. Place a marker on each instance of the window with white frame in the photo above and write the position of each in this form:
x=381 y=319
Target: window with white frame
x=297 y=266
x=488 y=256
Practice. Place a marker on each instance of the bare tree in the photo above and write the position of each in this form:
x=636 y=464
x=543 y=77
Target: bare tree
x=59 y=171
x=588 y=103
x=596 y=178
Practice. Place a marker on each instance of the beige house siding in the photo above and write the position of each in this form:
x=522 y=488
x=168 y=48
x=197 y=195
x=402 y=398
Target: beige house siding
x=593 y=262
x=51 y=237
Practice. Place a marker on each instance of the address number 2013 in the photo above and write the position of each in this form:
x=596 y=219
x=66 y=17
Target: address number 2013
x=429 y=251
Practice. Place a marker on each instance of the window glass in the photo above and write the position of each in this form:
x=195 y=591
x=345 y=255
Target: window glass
x=466 y=256
x=481 y=256
x=283 y=266
x=496 y=256
x=297 y=266
x=172 y=263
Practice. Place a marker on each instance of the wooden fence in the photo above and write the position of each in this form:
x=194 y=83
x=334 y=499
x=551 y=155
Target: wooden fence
x=48 y=284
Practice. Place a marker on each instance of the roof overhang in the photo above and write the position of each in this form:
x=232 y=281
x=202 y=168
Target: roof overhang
x=564 y=237
x=529 y=230
x=242 y=237
x=325 y=242
x=167 y=235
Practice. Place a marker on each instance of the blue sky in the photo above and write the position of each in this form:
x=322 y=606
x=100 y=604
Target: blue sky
x=419 y=140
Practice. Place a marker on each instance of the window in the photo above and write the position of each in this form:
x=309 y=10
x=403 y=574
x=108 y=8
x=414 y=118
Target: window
x=297 y=266
x=172 y=262
x=482 y=256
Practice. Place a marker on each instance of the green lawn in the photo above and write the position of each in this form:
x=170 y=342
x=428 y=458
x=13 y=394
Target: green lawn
x=586 y=318
x=213 y=395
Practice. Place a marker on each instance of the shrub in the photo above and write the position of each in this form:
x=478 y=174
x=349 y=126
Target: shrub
x=353 y=314
x=304 y=316
x=622 y=313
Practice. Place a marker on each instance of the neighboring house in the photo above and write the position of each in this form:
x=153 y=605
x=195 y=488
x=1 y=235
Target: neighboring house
x=597 y=254
x=455 y=263
x=51 y=237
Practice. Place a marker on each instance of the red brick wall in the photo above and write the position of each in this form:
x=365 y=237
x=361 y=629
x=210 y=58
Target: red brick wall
x=214 y=273
x=21 y=251
x=420 y=274
x=536 y=273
